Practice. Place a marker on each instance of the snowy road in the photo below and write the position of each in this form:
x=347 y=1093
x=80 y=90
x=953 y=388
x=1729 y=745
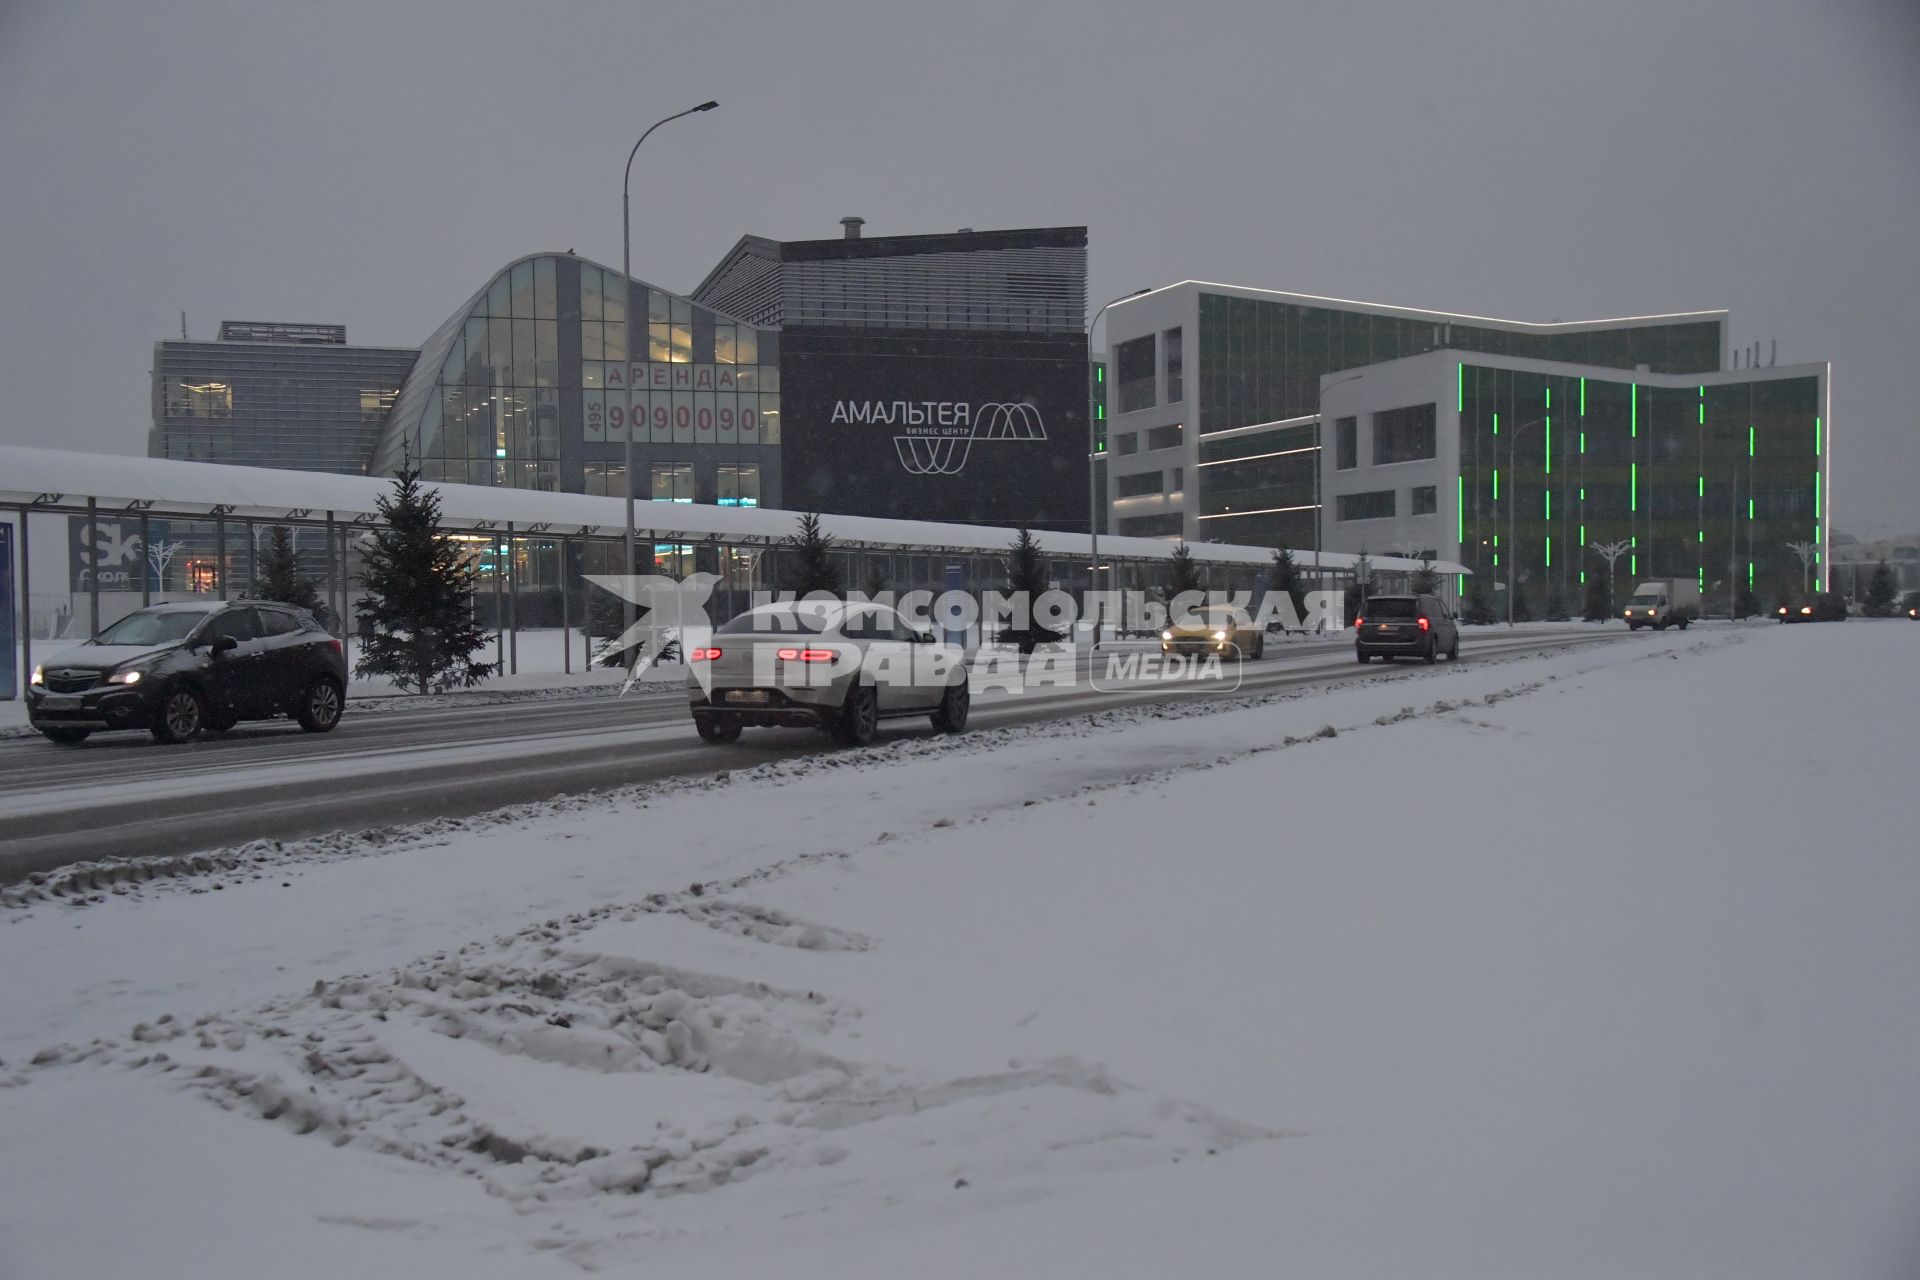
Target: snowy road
x=120 y=795
x=1587 y=964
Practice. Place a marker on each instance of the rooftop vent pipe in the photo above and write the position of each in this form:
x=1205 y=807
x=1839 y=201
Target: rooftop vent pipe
x=853 y=226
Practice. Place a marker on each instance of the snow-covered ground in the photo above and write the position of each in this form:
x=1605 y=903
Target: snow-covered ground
x=1592 y=964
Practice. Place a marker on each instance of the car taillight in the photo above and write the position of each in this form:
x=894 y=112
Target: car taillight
x=702 y=655
x=338 y=647
x=1359 y=621
x=805 y=655
x=1425 y=625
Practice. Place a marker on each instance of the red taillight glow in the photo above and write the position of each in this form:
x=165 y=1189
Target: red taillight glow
x=1425 y=625
x=338 y=647
x=702 y=655
x=804 y=655
x=1359 y=622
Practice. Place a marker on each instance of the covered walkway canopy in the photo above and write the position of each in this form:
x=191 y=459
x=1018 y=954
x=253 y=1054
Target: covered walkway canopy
x=533 y=547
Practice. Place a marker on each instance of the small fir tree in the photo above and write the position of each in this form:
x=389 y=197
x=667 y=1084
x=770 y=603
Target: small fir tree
x=1027 y=578
x=1522 y=607
x=1596 y=607
x=1745 y=603
x=416 y=617
x=1881 y=590
x=1183 y=574
x=1426 y=579
x=280 y=577
x=1284 y=575
x=1556 y=604
x=808 y=565
x=1479 y=611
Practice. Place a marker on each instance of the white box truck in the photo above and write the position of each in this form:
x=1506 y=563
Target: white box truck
x=1663 y=602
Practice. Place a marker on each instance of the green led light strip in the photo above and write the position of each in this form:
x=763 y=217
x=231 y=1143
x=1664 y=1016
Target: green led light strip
x=1496 y=484
x=1583 y=535
x=1816 y=495
x=1749 y=440
x=1549 y=551
x=1703 y=486
x=1816 y=437
x=1583 y=410
x=1634 y=418
x=1496 y=424
x=1460 y=375
x=1633 y=491
x=1548 y=495
x=1460 y=508
x=1749 y=508
x=1583 y=442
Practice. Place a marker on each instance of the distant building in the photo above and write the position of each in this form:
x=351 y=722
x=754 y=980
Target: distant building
x=293 y=396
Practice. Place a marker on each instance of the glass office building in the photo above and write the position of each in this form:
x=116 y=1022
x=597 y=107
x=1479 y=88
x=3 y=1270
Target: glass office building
x=293 y=396
x=1216 y=390
x=543 y=378
x=1520 y=470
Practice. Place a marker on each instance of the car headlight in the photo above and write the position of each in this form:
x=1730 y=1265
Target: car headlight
x=1219 y=635
x=124 y=677
x=1166 y=635
x=39 y=675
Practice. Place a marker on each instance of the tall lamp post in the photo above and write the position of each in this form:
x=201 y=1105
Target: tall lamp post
x=1093 y=495
x=626 y=278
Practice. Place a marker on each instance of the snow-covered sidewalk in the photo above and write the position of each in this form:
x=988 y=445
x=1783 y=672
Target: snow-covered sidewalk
x=1596 y=963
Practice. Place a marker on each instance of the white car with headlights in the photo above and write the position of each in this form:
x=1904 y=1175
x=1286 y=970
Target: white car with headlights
x=826 y=665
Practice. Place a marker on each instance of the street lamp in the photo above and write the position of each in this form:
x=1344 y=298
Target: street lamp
x=626 y=276
x=1806 y=551
x=1093 y=495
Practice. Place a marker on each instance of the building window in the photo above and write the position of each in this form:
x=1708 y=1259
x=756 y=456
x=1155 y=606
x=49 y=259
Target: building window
x=739 y=484
x=1426 y=499
x=1170 y=525
x=1143 y=482
x=606 y=478
x=1133 y=371
x=1166 y=437
x=187 y=399
x=1378 y=505
x=1403 y=435
x=1346 y=440
x=1179 y=479
x=1170 y=344
x=1125 y=442
x=672 y=481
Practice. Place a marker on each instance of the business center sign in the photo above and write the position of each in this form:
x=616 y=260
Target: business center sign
x=969 y=431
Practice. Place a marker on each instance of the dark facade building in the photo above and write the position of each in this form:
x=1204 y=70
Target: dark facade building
x=1215 y=429
x=937 y=377
x=1520 y=469
x=274 y=395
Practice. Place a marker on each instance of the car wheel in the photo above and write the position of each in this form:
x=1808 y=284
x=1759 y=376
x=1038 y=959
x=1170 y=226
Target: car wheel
x=951 y=715
x=218 y=723
x=1682 y=624
x=66 y=737
x=714 y=729
x=1432 y=650
x=183 y=713
x=319 y=707
x=1453 y=650
x=860 y=718
x=1361 y=654
x=1260 y=646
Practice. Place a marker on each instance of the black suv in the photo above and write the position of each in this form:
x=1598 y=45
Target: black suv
x=175 y=669
x=1409 y=626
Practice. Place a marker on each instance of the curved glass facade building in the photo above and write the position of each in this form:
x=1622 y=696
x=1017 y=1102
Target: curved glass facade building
x=539 y=379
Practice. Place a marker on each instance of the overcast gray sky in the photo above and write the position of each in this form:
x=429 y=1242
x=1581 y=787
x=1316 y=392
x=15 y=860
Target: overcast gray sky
x=372 y=163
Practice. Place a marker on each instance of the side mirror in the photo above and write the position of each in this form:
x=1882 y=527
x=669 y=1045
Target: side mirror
x=224 y=644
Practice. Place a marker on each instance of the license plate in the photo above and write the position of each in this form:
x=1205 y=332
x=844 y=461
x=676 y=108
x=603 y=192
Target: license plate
x=60 y=702
x=747 y=695
x=1386 y=626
